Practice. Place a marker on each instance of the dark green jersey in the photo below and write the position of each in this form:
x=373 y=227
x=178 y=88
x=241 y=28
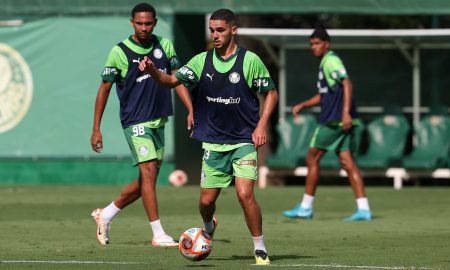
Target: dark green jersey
x=226 y=107
x=255 y=72
x=331 y=73
x=141 y=98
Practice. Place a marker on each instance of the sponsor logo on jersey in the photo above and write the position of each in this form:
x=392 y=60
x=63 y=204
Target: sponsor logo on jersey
x=16 y=87
x=146 y=76
x=234 y=77
x=110 y=70
x=143 y=151
x=226 y=101
x=261 y=82
x=157 y=53
x=187 y=72
x=249 y=162
x=210 y=76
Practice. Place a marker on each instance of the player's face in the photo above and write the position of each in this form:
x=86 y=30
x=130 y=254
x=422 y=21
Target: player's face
x=319 y=47
x=221 y=33
x=143 y=24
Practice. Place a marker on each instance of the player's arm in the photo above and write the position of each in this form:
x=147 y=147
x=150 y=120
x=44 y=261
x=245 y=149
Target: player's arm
x=100 y=104
x=259 y=136
x=348 y=91
x=160 y=77
x=183 y=94
x=315 y=100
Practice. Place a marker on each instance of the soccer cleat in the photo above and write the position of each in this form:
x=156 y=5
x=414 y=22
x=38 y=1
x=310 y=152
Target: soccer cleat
x=261 y=257
x=102 y=227
x=164 y=240
x=299 y=212
x=211 y=234
x=360 y=215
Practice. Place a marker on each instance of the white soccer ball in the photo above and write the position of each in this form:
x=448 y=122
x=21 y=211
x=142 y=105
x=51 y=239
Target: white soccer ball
x=178 y=178
x=195 y=245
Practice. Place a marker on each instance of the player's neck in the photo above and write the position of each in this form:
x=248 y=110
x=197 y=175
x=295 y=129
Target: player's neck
x=226 y=52
x=145 y=43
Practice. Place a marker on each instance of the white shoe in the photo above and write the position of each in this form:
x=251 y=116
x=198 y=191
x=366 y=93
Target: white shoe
x=102 y=227
x=164 y=241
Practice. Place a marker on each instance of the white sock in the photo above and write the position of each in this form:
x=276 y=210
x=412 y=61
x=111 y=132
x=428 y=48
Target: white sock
x=109 y=212
x=209 y=226
x=258 y=242
x=307 y=201
x=157 y=228
x=363 y=203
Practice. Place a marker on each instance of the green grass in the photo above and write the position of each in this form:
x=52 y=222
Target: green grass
x=52 y=224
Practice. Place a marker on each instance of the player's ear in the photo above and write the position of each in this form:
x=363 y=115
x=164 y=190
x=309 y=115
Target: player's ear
x=156 y=21
x=234 y=30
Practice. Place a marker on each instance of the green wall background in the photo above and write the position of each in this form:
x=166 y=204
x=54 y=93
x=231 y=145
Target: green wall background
x=66 y=56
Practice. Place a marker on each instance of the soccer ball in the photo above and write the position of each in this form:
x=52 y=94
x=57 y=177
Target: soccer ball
x=178 y=178
x=194 y=245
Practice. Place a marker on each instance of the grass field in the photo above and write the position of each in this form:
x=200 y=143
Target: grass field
x=49 y=227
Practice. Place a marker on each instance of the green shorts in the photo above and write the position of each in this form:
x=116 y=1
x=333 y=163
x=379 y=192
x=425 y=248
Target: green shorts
x=332 y=138
x=145 y=143
x=219 y=168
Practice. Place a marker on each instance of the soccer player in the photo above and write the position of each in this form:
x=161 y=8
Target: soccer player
x=336 y=124
x=144 y=110
x=224 y=83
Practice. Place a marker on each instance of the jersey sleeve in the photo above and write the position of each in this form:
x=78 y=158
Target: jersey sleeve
x=190 y=73
x=168 y=48
x=256 y=73
x=111 y=72
x=335 y=69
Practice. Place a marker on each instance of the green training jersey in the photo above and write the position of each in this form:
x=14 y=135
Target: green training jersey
x=116 y=66
x=255 y=72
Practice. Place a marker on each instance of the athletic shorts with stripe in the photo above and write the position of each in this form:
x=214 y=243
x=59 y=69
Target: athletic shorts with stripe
x=219 y=168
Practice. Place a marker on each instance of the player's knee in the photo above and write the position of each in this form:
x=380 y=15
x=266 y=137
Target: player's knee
x=245 y=197
x=206 y=202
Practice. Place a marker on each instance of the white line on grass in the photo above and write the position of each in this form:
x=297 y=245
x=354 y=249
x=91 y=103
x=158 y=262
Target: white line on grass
x=334 y=265
x=72 y=262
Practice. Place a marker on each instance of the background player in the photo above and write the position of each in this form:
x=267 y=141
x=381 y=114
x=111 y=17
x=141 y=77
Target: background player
x=144 y=110
x=337 y=120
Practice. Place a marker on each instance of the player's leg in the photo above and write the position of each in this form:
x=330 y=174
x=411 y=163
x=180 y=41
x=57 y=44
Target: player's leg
x=357 y=183
x=104 y=216
x=147 y=147
x=129 y=194
x=244 y=162
x=216 y=174
x=304 y=209
x=207 y=207
x=148 y=172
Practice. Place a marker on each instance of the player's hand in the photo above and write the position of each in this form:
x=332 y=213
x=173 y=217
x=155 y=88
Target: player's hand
x=97 y=141
x=146 y=64
x=190 y=121
x=346 y=122
x=259 y=137
x=297 y=109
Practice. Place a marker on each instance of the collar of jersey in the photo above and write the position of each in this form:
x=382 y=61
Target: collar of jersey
x=330 y=52
x=229 y=58
x=136 y=46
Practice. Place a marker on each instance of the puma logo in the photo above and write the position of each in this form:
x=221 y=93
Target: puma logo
x=210 y=76
x=137 y=61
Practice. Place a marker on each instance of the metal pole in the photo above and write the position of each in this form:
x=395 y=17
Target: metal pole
x=416 y=84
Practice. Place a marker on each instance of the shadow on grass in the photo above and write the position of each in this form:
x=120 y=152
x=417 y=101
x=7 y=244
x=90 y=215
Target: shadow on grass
x=199 y=265
x=272 y=257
